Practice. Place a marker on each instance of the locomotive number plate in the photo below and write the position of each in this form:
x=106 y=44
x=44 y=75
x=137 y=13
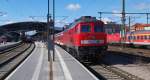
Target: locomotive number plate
x=92 y=41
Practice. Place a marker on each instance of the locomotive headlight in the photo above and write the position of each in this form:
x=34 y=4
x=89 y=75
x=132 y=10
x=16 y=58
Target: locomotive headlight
x=92 y=41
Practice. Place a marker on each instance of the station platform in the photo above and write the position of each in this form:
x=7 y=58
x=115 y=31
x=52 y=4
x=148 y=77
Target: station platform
x=37 y=66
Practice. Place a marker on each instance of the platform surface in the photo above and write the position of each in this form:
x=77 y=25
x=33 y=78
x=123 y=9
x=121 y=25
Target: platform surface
x=37 y=66
x=66 y=67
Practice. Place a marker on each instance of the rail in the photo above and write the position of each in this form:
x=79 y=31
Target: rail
x=106 y=72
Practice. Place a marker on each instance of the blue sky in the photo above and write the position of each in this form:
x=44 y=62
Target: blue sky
x=36 y=10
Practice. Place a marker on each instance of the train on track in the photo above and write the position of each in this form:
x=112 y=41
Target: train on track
x=139 y=38
x=85 y=38
x=27 y=39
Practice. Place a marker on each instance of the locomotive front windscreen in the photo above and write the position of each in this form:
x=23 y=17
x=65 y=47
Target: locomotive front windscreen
x=98 y=28
x=85 y=28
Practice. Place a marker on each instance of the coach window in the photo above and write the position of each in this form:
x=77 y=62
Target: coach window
x=145 y=37
x=138 y=37
x=129 y=38
x=141 y=37
x=134 y=37
x=85 y=28
x=98 y=28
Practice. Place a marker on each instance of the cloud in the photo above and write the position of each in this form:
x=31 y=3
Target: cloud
x=60 y=23
x=8 y=22
x=143 y=5
x=105 y=20
x=73 y=7
x=3 y=14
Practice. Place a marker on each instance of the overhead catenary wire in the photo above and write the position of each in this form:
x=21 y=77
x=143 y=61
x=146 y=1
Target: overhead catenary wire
x=131 y=13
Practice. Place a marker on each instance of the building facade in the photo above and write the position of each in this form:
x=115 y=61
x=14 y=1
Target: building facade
x=139 y=26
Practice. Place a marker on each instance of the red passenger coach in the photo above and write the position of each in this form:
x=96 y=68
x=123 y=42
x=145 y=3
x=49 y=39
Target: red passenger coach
x=113 y=38
x=139 y=38
x=84 y=38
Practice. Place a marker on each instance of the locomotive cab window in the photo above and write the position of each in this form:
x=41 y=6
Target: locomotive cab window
x=98 y=28
x=85 y=28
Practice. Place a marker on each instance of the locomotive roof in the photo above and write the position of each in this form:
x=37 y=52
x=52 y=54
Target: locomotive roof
x=83 y=19
x=86 y=19
x=79 y=20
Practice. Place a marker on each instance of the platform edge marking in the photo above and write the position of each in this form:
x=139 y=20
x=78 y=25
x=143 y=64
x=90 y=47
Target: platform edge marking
x=39 y=65
x=84 y=68
x=65 y=69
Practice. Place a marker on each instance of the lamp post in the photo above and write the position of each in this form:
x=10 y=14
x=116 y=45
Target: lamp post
x=100 y=14
x=48 y=26
x=123 y=31
x=147 y=15
x=53 y=30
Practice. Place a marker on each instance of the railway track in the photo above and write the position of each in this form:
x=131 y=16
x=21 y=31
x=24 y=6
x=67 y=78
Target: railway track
x=132 y=47
x=130 y=51
x=106 y=72
x=11 y=48
x=10 y=59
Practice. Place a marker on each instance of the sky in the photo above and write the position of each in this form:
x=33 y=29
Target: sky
x=12 y=11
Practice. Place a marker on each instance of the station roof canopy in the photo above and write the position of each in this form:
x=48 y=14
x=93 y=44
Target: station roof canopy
x=26 y=26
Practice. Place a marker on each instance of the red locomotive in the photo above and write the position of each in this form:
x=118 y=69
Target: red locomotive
x=85 y=38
